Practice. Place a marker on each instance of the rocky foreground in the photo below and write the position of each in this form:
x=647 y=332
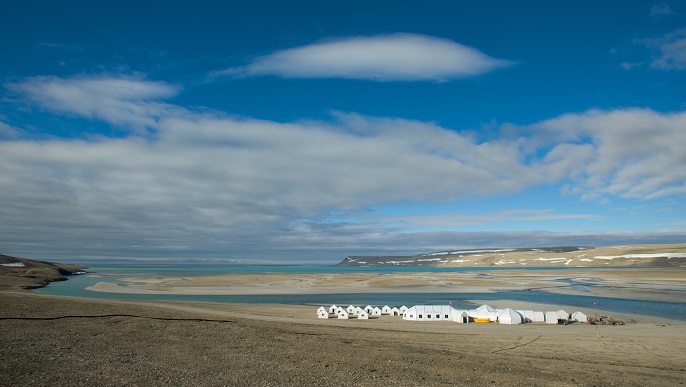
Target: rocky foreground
x=64 y=341
x=667 y=255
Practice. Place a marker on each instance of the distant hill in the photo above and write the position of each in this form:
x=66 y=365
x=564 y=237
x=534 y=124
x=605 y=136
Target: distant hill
x=29 y=274
x=672 y=255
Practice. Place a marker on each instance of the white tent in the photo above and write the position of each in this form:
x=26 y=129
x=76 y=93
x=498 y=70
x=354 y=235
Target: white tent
x=386 y=309
x=362 y=315
x=340 y=310
x=368 y=309
x=538 y=316
x=528 y=315
x=333 y=308
x=484 y=311
x=460 y=316
x=579 y=316
x=562 y=315
x=429 y=313
x=551 y=317
x=509 y=316
x=359 y=310
x=351 y=309
x=403 y=309
x=395 y=311
x=343 y=314
x=376 y=311
x=322 y=312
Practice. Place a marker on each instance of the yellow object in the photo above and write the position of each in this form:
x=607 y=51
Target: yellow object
x=482 y=320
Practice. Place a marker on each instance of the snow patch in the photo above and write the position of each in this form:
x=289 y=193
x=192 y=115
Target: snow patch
x=13 y=264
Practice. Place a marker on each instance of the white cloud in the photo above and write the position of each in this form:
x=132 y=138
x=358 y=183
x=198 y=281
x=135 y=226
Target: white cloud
x=8 y=131
x=124 y=101
x=670 y=50
x=206 y=184
x=395 y=57
x=661 y=9
x=633 y=153
x=453 y=221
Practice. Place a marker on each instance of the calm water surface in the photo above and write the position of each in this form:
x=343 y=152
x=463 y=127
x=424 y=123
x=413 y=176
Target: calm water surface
x=76 y=285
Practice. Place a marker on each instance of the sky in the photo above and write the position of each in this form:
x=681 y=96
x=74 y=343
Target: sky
x=308 y=131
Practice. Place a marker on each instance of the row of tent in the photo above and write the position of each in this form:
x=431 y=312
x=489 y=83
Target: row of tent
x=486 y=313
x=361 y=313
x=483 y=313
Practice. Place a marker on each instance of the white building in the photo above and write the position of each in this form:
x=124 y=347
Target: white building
x=343 y=314
x=362 y=315
x=484 y=311
x=460 y=316
x=368 y=309
x=333 y=309
x=395 y=311
x=579 y=317
x=376 y=311
x=386 y=309
x=351 y=309
x=508 y=316
x=428 y=313
x=322 y=312
x=402 y=310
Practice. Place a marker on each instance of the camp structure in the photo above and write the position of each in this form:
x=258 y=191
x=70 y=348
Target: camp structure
x=539 y=316
x=428 y=313
x=333 y=308
x=579 y=316
x=368 y=309
x=362 y=315
x=322 y=312
x=460 y=316
x=483 y=312
x=557 y=317
x=508 y=316
x=386 y=309
x=395 y=311
x=351 y=309
x=376 y=311
x=527 y=316
x=343 y=314
x=402 y=310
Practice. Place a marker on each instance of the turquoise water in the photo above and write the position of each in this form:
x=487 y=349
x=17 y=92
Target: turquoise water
x=76 y=285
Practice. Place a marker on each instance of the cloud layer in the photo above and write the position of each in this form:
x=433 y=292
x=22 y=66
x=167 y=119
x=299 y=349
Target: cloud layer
x=396 y=57
x=204 y=184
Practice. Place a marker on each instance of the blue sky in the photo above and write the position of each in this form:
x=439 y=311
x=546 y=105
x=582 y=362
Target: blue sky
x=302 y=132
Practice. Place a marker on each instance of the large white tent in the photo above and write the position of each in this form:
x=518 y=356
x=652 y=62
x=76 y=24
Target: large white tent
x=484 y=311
x=322 y=312
x=579 y=316
x=508 y=316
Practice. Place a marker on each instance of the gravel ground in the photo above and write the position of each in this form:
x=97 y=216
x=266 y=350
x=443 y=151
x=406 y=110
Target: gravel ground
x=145 y=345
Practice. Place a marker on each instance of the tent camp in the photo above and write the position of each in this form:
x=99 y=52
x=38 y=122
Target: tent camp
x=351 y=309
x=579 y=316
x=508 y=316
x=333 y=309
x=362 y=315
x=376 y=311
x=386 y=309
x=368 y=309
x=395 y=311
x=343 y=314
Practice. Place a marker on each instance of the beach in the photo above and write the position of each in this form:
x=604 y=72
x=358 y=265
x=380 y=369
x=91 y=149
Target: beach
x=77 y=341
x=661 y=284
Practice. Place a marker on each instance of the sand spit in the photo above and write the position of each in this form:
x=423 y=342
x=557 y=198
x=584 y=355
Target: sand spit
x=665 y=284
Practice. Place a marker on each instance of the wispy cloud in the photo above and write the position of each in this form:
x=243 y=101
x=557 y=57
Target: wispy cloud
x=670 y=50
x=661 y=9
x=123 y=101
x=456 y=221
x=395 y=57
x=206 y=184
